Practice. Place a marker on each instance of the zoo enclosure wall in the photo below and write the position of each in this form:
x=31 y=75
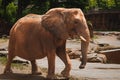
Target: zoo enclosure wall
x=104 y=20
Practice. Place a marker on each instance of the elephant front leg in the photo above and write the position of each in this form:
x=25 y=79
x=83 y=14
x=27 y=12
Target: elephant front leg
x=34 y=68
x=84 y=49
x=51 y=65
x=65 y=58
x=83 y=62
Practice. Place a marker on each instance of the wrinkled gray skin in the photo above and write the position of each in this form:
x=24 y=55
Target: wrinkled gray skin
x=34 y=37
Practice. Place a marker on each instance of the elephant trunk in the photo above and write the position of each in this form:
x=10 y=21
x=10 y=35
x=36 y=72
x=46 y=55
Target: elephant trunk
x=84 y=49
x=85 y=38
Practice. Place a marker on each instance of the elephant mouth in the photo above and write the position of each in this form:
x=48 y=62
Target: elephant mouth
x=81 y=37
x=74 y=33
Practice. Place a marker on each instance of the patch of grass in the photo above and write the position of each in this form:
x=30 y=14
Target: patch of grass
x=3 y=61
x=19 y=66
x=95 y=37
x=3 y=40
x=44 y=70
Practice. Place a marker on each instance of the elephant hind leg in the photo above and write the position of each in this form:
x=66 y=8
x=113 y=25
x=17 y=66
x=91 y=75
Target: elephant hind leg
x=8 y=65
x=51 y=65
x=34 y=68
x=11 y=53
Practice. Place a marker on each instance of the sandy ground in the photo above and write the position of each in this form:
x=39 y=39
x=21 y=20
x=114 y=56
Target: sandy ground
x=93 y=71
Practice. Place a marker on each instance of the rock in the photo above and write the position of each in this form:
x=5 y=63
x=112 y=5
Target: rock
x=115 y=33
x=74 y=54
x=113 y=56
x=92 y=57
x=102 y=58
x=3 y=52
x=3 y=55
x=95 y=57
x=92 y=48
x=103 y=45
x=20 y=61
x=68 y=50
x=2 y=49
x=106 y=33
x=99 y=33
x=118 y=37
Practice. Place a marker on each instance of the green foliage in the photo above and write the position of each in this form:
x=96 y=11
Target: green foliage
x=110 y=4
x=106 y=4
x=8 y=13
x=102 y=4
x=92 y=4
x=41 y=6
x=3 y=60
x=11 y=11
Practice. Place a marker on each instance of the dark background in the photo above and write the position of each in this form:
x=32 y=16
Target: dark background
x=100 y=14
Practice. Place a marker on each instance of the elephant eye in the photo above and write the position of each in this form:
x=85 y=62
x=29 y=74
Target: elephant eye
x=73 y=30
x=76 y=21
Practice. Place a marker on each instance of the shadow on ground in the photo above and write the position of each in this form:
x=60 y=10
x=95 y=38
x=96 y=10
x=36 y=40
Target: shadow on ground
x=21 y=76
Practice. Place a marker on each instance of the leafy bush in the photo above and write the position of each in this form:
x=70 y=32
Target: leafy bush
x=102 y=4
x=11 y=11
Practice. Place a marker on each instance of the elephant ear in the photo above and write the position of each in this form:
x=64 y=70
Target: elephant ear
x=54 y=22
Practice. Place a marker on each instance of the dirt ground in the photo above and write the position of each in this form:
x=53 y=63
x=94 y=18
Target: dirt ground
x=93 y=71
x=19 y=74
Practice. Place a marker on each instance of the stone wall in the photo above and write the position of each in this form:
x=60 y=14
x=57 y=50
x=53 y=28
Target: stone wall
x=104 y=20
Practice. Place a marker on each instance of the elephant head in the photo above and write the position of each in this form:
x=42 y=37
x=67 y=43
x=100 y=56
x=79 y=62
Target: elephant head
x=64 y=23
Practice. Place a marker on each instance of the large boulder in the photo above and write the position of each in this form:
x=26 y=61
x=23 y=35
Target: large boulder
x=95 y=57
x=73 y=54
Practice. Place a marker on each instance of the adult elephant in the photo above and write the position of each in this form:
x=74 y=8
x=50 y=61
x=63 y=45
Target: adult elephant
x=35 y=36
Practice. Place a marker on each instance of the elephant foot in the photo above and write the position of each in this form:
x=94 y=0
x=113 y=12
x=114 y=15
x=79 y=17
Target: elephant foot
x=8 y=71
x=51 y=77
x=65 y=74
x=82 y=66
x=36 y=73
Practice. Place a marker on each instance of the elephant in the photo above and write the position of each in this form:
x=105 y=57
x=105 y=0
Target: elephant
x=37 y=36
